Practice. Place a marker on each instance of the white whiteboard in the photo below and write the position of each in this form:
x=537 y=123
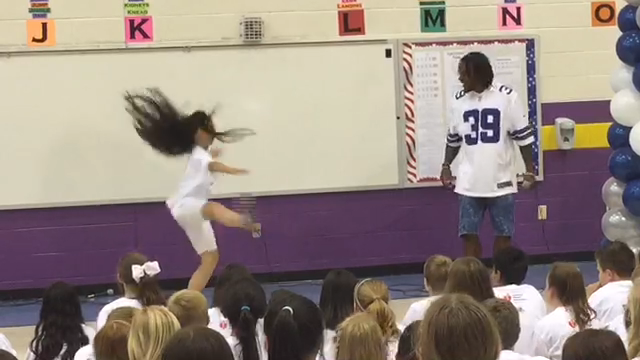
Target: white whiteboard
x=325 y=117
x=430 y=80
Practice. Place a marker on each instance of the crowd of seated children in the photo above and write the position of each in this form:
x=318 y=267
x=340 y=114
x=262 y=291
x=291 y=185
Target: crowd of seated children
x=473 y=313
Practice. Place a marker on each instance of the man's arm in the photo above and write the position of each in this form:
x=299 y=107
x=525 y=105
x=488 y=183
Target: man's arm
x=527 y=156
x=450 y=154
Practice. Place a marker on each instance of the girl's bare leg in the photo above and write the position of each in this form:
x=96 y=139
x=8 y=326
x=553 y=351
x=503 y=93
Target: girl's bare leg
x=219 y=213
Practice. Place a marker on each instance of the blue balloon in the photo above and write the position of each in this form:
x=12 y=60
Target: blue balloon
x=618 y=136
x=635 y=77
x=627 y=18
x=624 y=165
x=631 y=197
x=604 y=243
x=628 y=47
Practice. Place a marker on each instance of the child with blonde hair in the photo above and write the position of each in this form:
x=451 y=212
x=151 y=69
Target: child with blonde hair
x=372 y=297
x=151 y=328
x=436 y=273
x=360 y=338
x=190 y=307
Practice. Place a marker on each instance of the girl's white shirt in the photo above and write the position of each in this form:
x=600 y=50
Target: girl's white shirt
x=261 y=341
x=328 y=351
x=197 y=180
x=510 y=355
x=553 y=330
x=85 y=353
x=118 y=303
x=219 y=323
x=89 y=331
x=5 y=345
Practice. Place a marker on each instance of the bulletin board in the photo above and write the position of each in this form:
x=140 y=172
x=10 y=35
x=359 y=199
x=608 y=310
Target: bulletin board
x=429 y=80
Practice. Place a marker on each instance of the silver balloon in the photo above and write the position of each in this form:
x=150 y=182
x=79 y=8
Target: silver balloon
x=612 y=193
x=619 y=224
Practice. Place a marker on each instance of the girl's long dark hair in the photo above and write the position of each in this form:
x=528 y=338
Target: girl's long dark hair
x=165 y=128
x=243 y=303
x=231 y=273
x=336 y=297
x=294 y=328
x=60 y=324
x=568 y=283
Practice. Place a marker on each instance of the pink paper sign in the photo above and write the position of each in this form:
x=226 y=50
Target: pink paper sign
x=510 y=17
x=138 y=29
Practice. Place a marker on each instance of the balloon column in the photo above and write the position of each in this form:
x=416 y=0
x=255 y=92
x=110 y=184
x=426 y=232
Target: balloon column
x=621 y=192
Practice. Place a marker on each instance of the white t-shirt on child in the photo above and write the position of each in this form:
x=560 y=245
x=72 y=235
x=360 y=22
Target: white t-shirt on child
x=89 y=331
x=5 y=345
x=510 y=355
x=417 y=310
x=609 y=300
x=328 y=351
x=618 y=326
x=553 y=330
x=219 y=323
x=261 y=340
x=107 y=309
x=531 y=308
x=85 y=353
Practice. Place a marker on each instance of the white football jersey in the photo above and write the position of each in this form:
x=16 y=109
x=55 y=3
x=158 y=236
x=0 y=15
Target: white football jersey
x=487 y=127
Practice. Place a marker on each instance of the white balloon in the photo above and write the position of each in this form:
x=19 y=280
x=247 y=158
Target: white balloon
x=621 y=77
x=625 y=107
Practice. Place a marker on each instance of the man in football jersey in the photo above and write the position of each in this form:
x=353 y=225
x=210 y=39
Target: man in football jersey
x=486 y=122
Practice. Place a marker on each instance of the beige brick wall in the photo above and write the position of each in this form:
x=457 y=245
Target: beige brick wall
x=576 y=59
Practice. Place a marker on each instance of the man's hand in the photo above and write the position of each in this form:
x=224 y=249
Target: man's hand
x=529 y=181
x=446 y=176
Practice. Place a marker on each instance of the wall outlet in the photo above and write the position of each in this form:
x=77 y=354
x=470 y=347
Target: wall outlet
x=258 y=232
x=542 y=212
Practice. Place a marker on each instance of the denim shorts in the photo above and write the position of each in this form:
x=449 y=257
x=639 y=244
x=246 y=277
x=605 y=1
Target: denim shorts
x=501 y=209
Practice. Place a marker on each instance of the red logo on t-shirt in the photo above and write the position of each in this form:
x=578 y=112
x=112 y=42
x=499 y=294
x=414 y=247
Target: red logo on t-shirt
x=224 y=325
x=507 y=298
x=573 y=324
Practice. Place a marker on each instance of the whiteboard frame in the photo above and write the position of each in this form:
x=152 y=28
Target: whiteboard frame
x=402 y=161
x=392 y=43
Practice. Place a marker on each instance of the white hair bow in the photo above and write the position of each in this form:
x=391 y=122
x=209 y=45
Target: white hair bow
x=150 y=268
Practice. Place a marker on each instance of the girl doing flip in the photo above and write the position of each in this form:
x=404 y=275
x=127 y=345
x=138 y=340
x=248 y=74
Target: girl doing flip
x=173 y=133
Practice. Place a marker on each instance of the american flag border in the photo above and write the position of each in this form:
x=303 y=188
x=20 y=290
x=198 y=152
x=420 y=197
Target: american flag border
x=409 y=97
